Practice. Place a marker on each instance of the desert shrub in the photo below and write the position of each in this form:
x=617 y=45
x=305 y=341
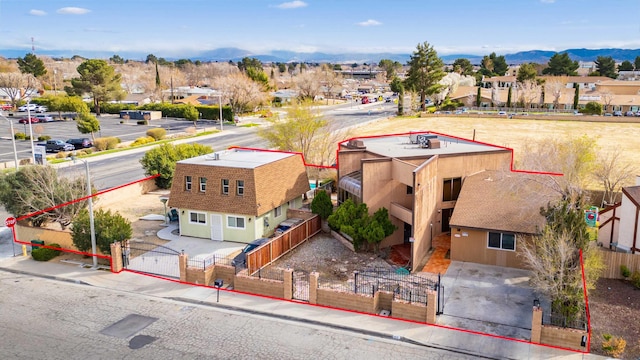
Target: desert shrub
x=106 y=143
x=44 y=254
x=143 y=140
x=44 y=137
x=613 y=345
x=62 y=155
x=142 y=122
x=157 y=133
x=635 y=279
x=624 y=271
x=20 y=136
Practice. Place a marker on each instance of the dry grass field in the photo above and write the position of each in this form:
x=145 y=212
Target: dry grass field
x=514 y=133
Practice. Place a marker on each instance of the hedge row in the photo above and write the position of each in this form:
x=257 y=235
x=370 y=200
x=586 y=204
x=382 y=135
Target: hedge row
x=210 y=112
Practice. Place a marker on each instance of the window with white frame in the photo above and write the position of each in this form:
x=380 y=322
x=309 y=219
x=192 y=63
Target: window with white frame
x=203 y=184
x=225 y=186
x=197 y=218
x=277 y=211
x=235 y=222
x=240 y=187
x=187 y=183
x=503 y=241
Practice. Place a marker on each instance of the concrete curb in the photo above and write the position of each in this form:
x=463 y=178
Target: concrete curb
x=45 y=276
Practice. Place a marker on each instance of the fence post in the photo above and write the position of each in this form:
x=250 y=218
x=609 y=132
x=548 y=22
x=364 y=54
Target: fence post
x=355 y=282
x=536 y=325
x=116 y=257
x=182 y=264
x=431 y=307
x=313 y=288
x=287 y=277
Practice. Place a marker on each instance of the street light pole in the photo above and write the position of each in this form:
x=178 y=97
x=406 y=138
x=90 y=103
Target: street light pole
x=91 y=220
x=13 y=139
x=220 y=108
x=33 y=151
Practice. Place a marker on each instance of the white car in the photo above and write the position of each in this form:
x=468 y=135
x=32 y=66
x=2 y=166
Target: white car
x=30 y=107
x=44 y=118
x=41 y=109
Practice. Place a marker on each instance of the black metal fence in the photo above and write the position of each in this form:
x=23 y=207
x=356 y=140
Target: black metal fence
x=266 y=273
x=575 y=321
x=205 y=262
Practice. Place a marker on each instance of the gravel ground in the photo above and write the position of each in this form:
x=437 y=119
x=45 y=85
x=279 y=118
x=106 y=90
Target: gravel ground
x=331 y=259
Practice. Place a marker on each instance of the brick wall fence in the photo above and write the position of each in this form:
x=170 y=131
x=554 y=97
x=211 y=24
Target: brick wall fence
x=556 y=336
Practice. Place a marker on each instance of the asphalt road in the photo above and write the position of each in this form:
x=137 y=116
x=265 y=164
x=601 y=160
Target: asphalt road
x=43 y=318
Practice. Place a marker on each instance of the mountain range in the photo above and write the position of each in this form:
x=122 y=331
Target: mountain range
x=235 y=54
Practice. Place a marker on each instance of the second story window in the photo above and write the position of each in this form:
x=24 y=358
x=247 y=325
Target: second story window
x=225 y=186
x=187 y=183
x=240 y=187
x=203 y=184
x=451 y=189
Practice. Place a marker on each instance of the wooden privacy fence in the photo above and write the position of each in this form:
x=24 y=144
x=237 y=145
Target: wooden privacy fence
x=613 y=260
x=282 y=244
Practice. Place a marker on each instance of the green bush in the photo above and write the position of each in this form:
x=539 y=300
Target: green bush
x=106 y=143
x=157 y=133
x=142 y=122
x=592 y=108
x=20 y=136
x=44 y=254
x=44 y=137
x=624 y=271
x=115 y=108
x=635 y=279
x=322 y=205
x=213 y=112
x=143 y=140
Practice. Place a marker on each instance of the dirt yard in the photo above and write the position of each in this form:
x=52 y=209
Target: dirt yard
x=615 y=310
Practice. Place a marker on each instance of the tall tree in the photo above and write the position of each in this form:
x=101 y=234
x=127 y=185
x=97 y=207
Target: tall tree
x=17 y=86
x=108 y=228
x=509 y=97
x=625 y=66
x=67 y=103
x=425 y=71
x=242 y=93
x=99 y=79
x=158 y=84
x=606 y=66
x=636 y=63
x=397 y=86
x=526 y=72
x=151 y=59
x=561 y=64
x=88 y=124
x=463 y=66
x=162 y=160
x=576 y=96
x=248 y=62
x=500 y=65
x=390 y=67
x=479 y=97
x=30 y=64
x=117 y=59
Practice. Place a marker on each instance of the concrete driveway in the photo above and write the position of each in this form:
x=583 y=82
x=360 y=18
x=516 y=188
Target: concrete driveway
x=489 y=299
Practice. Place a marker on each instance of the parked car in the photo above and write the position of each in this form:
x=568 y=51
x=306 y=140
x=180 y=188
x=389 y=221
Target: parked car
x=25 y=120
x=55 y=145
x=629 y=113
x=638 y=113
x=80 y=143
x=30 y=107
x=41 y=109
x=502 y=113
x=241 y=259
x=44 y=118
x=617 y=113
x=608 y=114
x=5 y=107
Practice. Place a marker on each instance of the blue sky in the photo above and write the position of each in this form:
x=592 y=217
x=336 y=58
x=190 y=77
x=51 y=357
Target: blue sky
x=184 y=27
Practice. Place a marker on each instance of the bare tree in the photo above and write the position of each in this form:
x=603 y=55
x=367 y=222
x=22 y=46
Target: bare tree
x=554 y=86
x=607 y=97
x=309 y=85
x=330 y=80
x=242 y=93
x=193 y=74
x=18 y=86
x=612 y=174
x=529 y=92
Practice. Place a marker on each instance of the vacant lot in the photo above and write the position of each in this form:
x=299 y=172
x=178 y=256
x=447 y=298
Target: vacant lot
x=514 y=133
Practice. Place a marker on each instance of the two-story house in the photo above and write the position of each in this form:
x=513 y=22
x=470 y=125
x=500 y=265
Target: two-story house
x=237 y=195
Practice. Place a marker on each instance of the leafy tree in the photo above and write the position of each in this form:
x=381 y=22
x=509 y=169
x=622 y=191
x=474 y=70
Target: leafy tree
x=636 y=63
x=337 y=67
x=162 y=160
x=181 y=63
x=509 y=97
x=397 y=86
x=463 y=66
x=67 y=103
x=576 y=96
x=526 y=72
x=382 y=217
x=99 y=79
x=626 y=66
x=151 y=59
x=117 y=59
x=606 y=66
x=350 y=219
x=561 y=64
x=35 y=188
x=479 y=97
x=390 y=67
x=322 y=205
x=30 y=64
x=260 y=77
x=109 y=228
x=500 y=65
x=425 y=72
x=282 y=68
x=592 y=108
x=87 y=124
x=247 y=63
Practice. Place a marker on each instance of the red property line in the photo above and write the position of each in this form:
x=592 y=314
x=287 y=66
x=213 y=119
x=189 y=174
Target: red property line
x=473 y=332
x=586 y=301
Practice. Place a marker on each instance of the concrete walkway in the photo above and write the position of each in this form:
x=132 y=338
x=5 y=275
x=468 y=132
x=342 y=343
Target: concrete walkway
x=458 y=341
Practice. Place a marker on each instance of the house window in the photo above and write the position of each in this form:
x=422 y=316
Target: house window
x=187 y=183
x=203 y=184
x=235 y=222
x=240 y=187
x=451 y=189
x=502 y=241
x=197 y=218
x=225 y=186
x=277 y=211
x=409 y=190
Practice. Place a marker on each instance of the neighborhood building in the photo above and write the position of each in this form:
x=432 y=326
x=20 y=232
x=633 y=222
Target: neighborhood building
x=238 y=194
x=619 y=227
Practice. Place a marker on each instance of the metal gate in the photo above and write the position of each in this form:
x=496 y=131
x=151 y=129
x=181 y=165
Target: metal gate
x=440 y=296
x=151 y=258
x=300 y=285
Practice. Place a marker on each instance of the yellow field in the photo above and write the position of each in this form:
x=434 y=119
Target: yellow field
x=514 y=133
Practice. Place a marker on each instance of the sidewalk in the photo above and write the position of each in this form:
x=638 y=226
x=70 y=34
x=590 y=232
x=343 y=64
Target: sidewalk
x=415 y=333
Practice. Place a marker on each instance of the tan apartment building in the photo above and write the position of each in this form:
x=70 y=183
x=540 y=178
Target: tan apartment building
x=237 y=195
x=417 y=176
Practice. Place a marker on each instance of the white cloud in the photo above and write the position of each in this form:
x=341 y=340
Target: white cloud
x=292 y=4
x=35 y=12
x=72 y=11
x=370 y=22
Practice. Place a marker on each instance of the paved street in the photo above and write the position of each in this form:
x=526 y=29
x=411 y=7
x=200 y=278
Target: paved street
x=44 y=318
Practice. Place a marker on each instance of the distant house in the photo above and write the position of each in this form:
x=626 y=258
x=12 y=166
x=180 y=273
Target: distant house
x=619 y=227
x=237 y=195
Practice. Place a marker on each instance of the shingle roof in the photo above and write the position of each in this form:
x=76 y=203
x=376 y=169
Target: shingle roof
x=503 y=201
x=633 y=192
